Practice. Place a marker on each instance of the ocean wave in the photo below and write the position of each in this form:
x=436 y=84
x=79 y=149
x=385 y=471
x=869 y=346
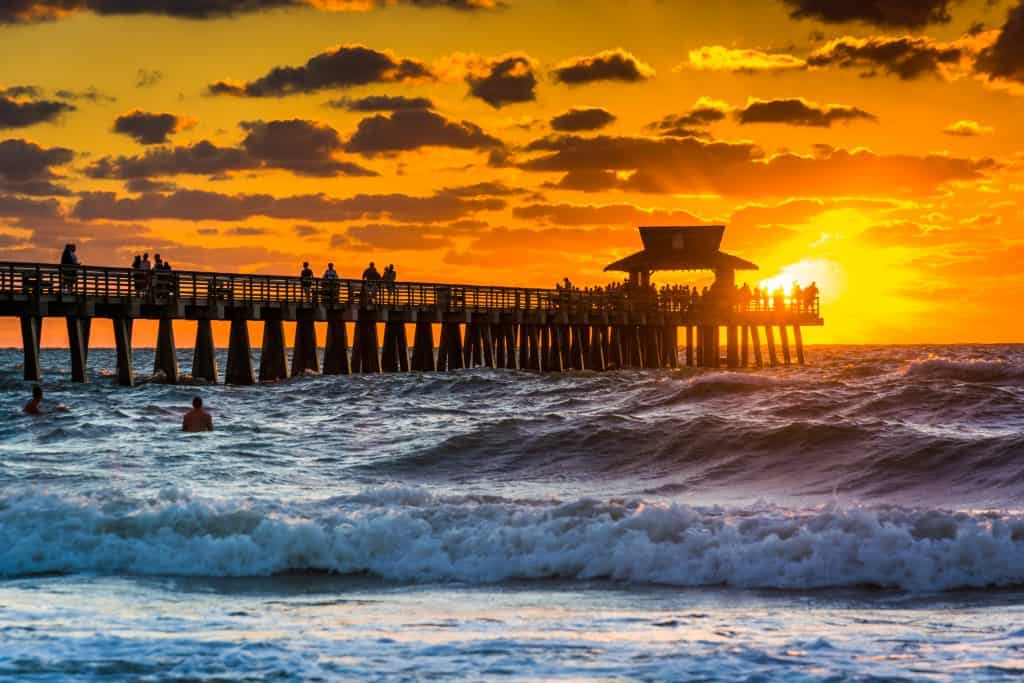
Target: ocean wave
x=413 y=535
x=973 y=370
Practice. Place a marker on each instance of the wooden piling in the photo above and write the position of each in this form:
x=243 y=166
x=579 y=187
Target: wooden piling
x=769 y=334
x=670 y=346
x=30 y=329
x=798 y=338
x=577 y=361
x=123 y=349
x=615 y=358
x=204 y=354
x=423 y=347
x=367 y=360
x=449 y=353
x=336 y=349
x=744 y=346
x=784 y=341
x=166 y=357
x=555 y=362
x=595 y=358
x=304 y=350
x=533 y=359
x=689 y=346
x=394 y=354
x=487 y=344
x=239 y=371
x=756 y=338
x=732 y=352
x=273 y=358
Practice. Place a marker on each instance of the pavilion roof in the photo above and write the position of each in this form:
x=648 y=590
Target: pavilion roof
x=681 y=248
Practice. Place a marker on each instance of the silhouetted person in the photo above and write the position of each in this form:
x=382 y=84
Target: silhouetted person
x=197 y=419
x=389 y=280
x=138 y=276
x=330 y=282
x=32 y=407
x=306 y=278
x=69 y=267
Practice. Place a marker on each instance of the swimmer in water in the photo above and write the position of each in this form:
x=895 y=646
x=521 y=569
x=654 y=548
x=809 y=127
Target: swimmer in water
x=32 y=407
x=197 y=419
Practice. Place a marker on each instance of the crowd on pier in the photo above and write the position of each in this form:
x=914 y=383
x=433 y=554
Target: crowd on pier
x=156 y=279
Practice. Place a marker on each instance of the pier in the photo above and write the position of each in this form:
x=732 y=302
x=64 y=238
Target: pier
x=453 y=326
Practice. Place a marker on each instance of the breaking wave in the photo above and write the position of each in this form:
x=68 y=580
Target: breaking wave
x=408 y=534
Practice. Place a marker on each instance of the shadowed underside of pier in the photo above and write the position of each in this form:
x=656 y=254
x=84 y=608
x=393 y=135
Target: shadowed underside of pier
x=542 y=330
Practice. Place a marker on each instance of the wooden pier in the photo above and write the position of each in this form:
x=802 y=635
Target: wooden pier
x=541 y=330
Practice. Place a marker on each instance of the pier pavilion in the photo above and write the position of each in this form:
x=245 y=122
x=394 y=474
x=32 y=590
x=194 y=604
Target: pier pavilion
x=541 y=330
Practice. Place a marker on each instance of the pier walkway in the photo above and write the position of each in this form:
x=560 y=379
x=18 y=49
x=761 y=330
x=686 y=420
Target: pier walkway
x=543 y=330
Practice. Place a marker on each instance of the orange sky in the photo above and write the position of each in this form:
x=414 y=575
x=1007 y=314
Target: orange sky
x=870 y=146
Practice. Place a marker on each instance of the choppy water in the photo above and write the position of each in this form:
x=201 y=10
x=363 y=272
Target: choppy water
x=858 y=519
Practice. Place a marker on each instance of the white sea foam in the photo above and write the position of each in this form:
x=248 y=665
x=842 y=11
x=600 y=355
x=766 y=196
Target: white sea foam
x=412 y=535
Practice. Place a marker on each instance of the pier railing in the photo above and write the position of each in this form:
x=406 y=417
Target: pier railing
x=39 y=280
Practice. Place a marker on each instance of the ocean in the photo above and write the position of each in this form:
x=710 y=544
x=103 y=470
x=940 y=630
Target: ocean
x=857 y=519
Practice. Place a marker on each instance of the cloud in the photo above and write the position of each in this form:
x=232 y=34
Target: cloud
x=16 y=112
x=34 y=11
x=797 y=111
x=374 y=103
x=412 y=129
x=148 y=128
x=610 y=65
x=505 y=80
x=344 y=66
x=576 y=120
x=609 y=214
x=26 y=208
x=907 y=57
x=692 y=166
x=1005 y=57
x=721 y=58
x=196 y=205
x=301 y=147
x=884 y=13
x=967 y=128
x=398 y=237
x=27 y=168
x=147 y=185
x=705 y=112
x=90 y=94
x=147 y=78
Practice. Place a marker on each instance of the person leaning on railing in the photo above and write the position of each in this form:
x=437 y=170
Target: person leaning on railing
x=69 y=268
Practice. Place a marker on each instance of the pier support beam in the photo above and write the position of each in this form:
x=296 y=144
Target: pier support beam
x=524 y=347
x=273 y=358
x=756 y=338
x=732 y=351
x=487 y=343
x=239 y=371
x=336 y=349
x=615 y=358
x=423 y=347
x=533 y=357
x=798 y=339
x=365 y=349
x=689 y=346
x=769 y=334
x=553 y=338
x=636 y=346
x=744 y=346
x=395 y=354
x=165 y=359
x=30 y=328
x=651 y=346
x=304 y=356
x=670 y=346
x=472 y=346
x=784 y=340
x=449 y=353
x=204 y=356
x=123 y=349
x=595 y=357
x=77 y=343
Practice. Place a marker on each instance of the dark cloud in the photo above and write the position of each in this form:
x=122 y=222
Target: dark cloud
x=27 y=168
x=246 y=231
x=612 y=214
x=303 y=230
x=195 y=205
x=907 y=57
x=374 y=103
x=33 y=11
x=148 y=128
x=484 y=189
x=506 y=80
x=576 y=120
x=147 y=78
x=20 y=113
x=398 y=237
x=345 y=66
x=32 y=91
x=90 y=94
x=303 y=147
x=885 y=13
x=705 y=112
x=413 y=129
x=692 y=166
x=1005 y=57
x=799 y=112
x=147 y=185
x=24 y=207
x=610 y=65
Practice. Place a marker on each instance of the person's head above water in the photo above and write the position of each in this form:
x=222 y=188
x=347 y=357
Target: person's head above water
x=197 y=402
